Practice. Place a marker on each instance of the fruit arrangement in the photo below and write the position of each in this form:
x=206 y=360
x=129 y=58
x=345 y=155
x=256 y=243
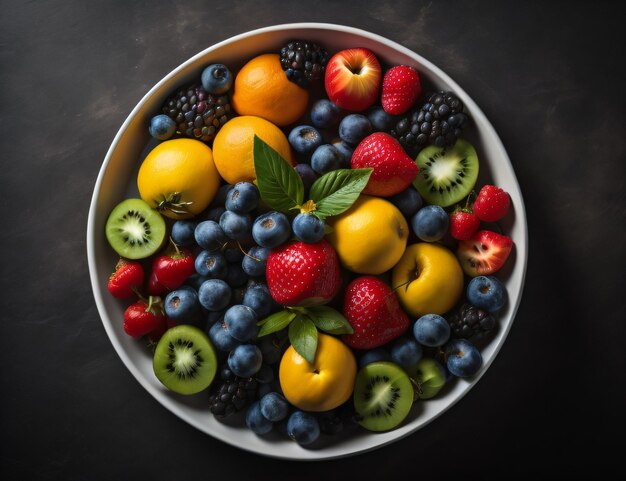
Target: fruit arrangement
x=310 y=250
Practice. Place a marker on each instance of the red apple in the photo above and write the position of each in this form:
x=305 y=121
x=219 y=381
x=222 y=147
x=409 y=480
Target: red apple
x=353 y=79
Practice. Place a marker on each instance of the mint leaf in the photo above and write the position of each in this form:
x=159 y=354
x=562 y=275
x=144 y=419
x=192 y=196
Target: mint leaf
x=280 y=185
x=303 y=337
x=336 y=191
x=275 y=322
x=329 y=320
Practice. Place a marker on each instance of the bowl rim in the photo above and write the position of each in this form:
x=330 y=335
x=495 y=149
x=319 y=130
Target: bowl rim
x=477 y=113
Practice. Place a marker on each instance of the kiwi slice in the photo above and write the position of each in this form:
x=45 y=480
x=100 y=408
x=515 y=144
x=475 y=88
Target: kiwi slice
x=184 y=360
x=383 y=396
x=446 y=174
x=134 y=229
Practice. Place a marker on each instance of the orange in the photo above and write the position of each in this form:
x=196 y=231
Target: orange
x=178 y=178
x=262 y=89
x=323 y=385
x=233 y=147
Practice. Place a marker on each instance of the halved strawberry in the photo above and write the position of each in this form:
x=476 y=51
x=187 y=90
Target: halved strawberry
x=485 y=253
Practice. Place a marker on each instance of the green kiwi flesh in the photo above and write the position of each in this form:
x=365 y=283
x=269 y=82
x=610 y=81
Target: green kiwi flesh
x=383 y=396
x=134 y=229
x=184 y=360
x=447 y=174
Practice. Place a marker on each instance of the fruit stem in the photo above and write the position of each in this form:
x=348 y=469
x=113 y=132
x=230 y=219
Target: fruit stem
x=178 y=254
x=246 y=254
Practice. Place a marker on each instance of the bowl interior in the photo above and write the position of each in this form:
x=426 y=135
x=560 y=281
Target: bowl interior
x=116 y=180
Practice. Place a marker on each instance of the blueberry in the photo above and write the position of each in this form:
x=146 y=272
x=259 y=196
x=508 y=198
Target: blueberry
x=217 y=79
x=235 y=276
x=183 y=232
x=345 y=150
x=221 y=338
x=162 y=127
x=303 y=427
x=259 y=299
x=274 y=407
x=265 y=374
x=308 y=228
x=381 y=121
x=220 y=197
x=327 y=158
x=214 y=213
x=256 y=422
x=408 y=201
x=354 y=128
x=235 y=226
x=211 y=265
x=430 y=223
x=271 y=229
x=324 y=114
x=305 y=139
x=242 y=198
x=255 y=261
x=182 y=304
x=308 y=176
x=195 y=281
x=245 y=360
x=487 y=292
x=406 y=352
x=209 y=235
x=214 y=294
x=374 y=355
x=233 y=255
x=271 y=349
x=241 y=322
x=463 y=359
x=431 y=330
x=215 y=316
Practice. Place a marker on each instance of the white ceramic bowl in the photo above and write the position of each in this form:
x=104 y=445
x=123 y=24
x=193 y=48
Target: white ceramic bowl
x=116 y=180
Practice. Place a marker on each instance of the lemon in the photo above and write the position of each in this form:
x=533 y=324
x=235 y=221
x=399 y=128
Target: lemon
x=233 y=147
x=178 y=178
x=370 y=237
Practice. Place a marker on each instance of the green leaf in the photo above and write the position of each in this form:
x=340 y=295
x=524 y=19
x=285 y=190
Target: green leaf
x=329 y=320
x=303 y=337
x=279 y=184
x=275 y=322
x=336 y=191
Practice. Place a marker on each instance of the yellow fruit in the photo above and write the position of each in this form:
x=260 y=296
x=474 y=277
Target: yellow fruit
x=370 y=236
x=428 y=279
x=262 y=89
x=178 y=178
x=233 y=146
x=323 y=385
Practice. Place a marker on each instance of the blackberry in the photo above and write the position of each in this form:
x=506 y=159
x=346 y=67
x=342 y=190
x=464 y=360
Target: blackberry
x=439 y=121
x=303 y=62
x=470 y=322
x=197 y=113
x=232 y=394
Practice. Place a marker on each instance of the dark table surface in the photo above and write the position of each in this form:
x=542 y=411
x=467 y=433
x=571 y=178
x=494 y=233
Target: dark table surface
x=550 y=77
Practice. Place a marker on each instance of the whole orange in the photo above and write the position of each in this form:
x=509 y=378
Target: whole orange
x=262 y=89
x=323 y=385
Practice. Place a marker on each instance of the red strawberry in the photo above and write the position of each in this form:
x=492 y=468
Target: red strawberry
x=401 y=88
x=143 y=317
x=300 y=274
x=127 y=277
x=492 y=203
x=170 y=270
x=373 y=311
x=485 y=253
x=393 y=171
x=463 y=223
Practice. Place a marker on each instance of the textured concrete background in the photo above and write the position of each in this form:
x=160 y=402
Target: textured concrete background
x=550 y=77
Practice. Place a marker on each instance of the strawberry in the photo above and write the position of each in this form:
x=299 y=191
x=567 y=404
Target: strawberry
x=128 y=277
x=393 y=171
x=492 y=203
x=485 y=253
x=463 y=223
x=300 y=274
x=144 y=317
x=373 y=311
x=170 y=270
x=401 y=88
